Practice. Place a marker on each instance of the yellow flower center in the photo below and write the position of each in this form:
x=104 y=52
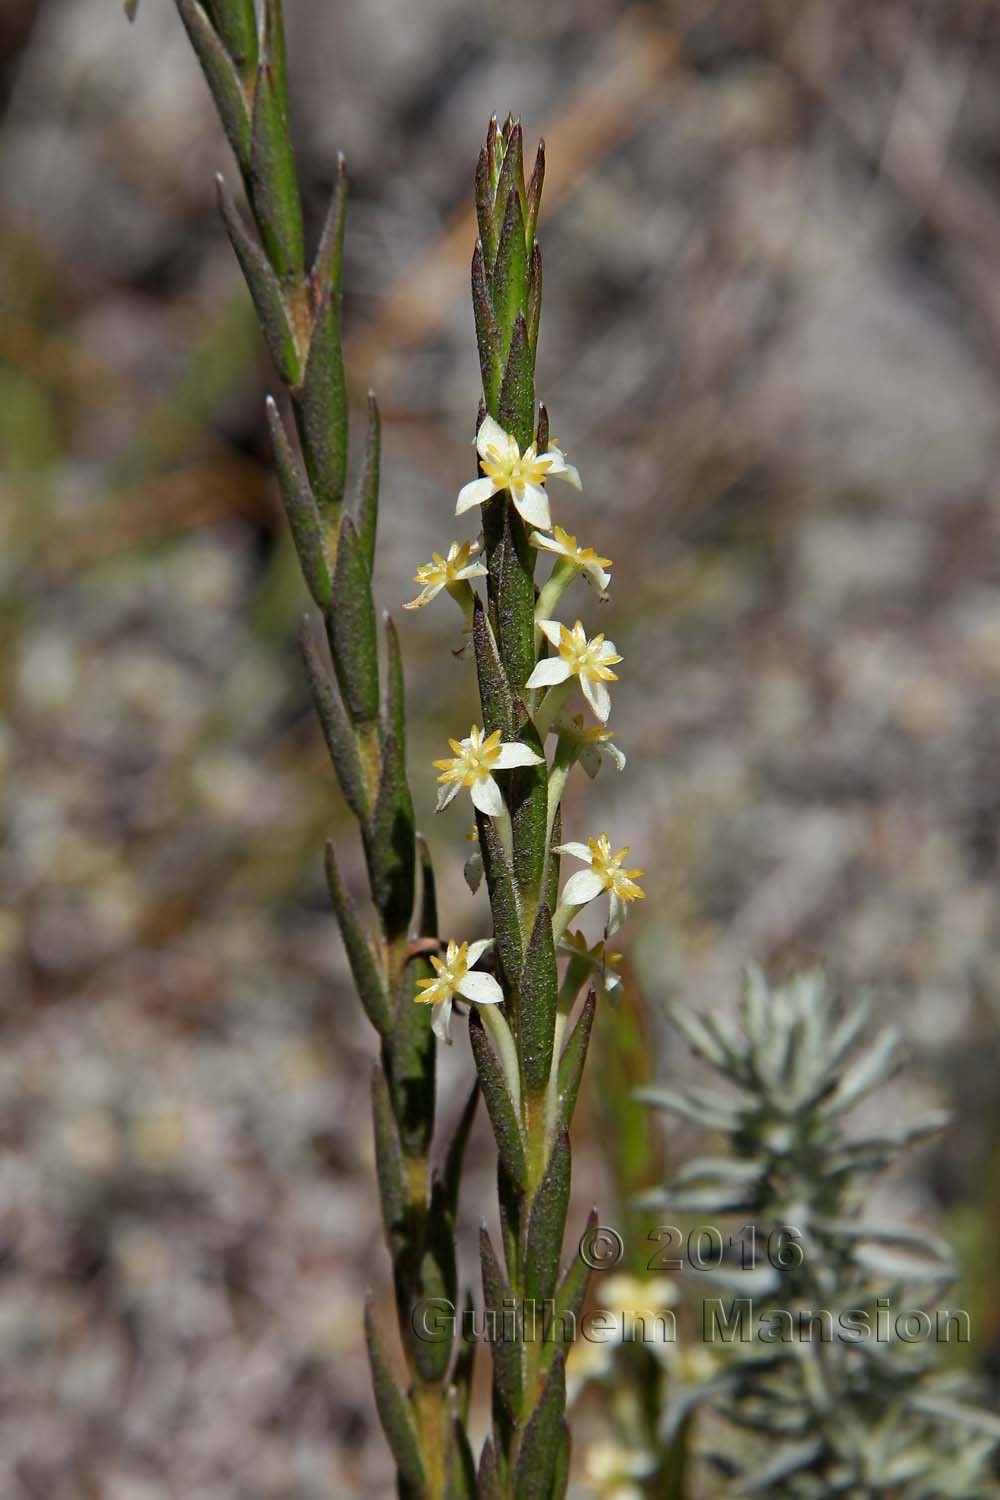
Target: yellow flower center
x=444 y=570
x=513 y=470
x=448 y=975
x=584 y=657
x=608 y=867
x=473 y=761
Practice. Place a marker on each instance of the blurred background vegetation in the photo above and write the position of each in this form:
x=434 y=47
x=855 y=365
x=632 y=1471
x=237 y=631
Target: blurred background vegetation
x=771 y=342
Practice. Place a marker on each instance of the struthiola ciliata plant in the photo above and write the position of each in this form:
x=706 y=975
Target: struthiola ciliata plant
x=528 y=1025
x=822 y=1373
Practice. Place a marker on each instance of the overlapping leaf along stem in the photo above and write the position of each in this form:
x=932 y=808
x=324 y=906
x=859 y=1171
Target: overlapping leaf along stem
x=359 y=701
x=527 y=1454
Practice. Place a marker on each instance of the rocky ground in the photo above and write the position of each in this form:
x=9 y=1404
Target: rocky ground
x=772 y=344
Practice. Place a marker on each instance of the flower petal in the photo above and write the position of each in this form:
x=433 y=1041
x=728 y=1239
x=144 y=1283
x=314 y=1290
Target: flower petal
x=441 y=1023
x=491 y=435
x=578 y=851
x=617 y=914
x=481 y=988
x=551 y=629
x=474 y=570
x=532 y=505
x=581 y=888
x=487 y=797
x=516 y=754
x=548 y=672
x=560 y=469
x=539 y=539
x=474 y=493
x=477 y=949
x=447 y=792
x=598 y=697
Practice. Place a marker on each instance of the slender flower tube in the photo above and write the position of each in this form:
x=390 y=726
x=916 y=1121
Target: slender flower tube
x=589 y=660
x=473 y=764
x=605 y=873
x=451 y=573
x=454 y=978
x=522 y=475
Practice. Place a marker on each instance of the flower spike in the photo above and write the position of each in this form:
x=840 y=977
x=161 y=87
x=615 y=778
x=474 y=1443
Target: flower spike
x=454 y=979
x=473 y=764
x=522 y=475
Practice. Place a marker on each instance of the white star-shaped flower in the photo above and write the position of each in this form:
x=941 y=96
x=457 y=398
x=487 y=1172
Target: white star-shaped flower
x=605 y=873
x=455 y=979
x=583 y=559
x=590 y=660
x=522 y=475
x=446 y=573
x=473 y=764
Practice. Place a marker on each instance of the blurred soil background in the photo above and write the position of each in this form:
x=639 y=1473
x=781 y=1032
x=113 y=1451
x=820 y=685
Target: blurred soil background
x=771 y=341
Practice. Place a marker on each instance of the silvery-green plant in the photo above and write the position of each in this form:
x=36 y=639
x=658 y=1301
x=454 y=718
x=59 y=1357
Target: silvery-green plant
x=528 y=1026
x=830 y=1382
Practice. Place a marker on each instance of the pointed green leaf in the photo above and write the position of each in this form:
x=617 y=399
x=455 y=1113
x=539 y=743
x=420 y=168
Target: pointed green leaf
x=509 y=1203
x=428 y=923
x=221 y=76
x=389 y=1164
x=236 y=23
x=574 y=1055
x=505 y=1350
x=393 y=1408
x=390 y=843
x=517 y=389
x=393 y=703
x=131 y=7
x=302 y=511
x=510 y=271
x=273 y=51
x=274 y=187
x=534 y=316
x=337 y=731
x=436 y=1285
x=366 y=507
x=560 y=1478
x=321 y=409
x=364 y=969
x=465 y=1360
x=451 y=1175
x=413 y=1056
x=570 y=1295
x=534 y=196
x=503 y=899
x=512 y=565
x=462 y=1465
x=511 y=177
x=506 y=1129
x=546 y=1224
x=537 y=992
x=264 y=287
x=351 y=627
x=539 y=1456
x=489 y=1476
x=485 y=216
x=487 y=332
x=527 y=796
x=498 y=702
x=328 y=267
x=542 y=430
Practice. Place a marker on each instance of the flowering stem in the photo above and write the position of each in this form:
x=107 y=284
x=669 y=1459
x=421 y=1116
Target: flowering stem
x=507 y=1051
